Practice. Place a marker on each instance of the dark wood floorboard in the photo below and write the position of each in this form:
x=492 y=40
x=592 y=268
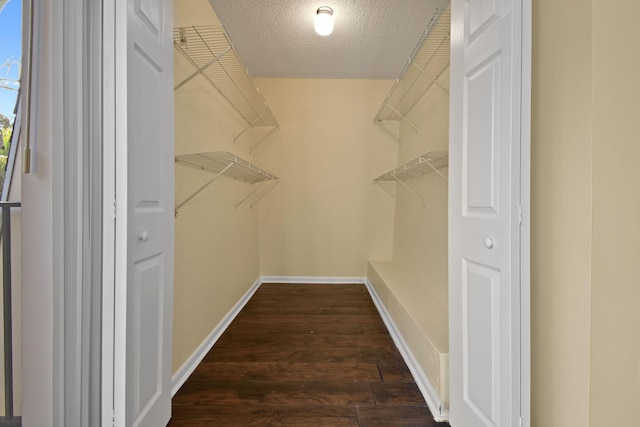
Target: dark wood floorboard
x=303 y=355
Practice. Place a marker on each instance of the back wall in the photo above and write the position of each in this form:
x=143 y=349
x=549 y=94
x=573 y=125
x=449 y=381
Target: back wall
x=316 y=222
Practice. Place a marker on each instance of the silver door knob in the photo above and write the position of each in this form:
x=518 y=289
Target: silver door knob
x=488 y=243
x=143 y=235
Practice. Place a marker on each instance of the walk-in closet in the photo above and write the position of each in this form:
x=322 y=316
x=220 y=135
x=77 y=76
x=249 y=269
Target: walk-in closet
x=311 y=179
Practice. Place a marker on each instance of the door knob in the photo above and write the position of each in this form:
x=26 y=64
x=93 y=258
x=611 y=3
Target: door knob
x=143 y=235
x=488 y=243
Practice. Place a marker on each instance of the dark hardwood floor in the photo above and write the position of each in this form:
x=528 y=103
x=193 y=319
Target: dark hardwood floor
x=303 y=355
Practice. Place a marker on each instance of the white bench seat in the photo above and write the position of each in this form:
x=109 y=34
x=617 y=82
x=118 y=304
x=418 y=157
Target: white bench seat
x=422 y=323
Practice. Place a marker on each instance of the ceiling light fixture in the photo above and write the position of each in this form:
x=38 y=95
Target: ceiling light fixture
x=324 y=21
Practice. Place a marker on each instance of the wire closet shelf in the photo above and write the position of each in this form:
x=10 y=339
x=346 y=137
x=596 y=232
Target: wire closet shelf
x=428 y=61
x=222 y=163
x=431 y=161
x=210 y=51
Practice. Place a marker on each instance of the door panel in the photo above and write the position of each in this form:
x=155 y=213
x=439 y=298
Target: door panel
x=481 y=338
x=484 y=239
x=146 y=334
x=481 y=143
x=150 y=212
x=150 y=15
x=482 y=13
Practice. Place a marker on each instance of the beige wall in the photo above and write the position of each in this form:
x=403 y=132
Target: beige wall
x=615 y=302
x=319 y=221
x=586 y=198
x=420 y=232
x=216 y=247
x=561 y=212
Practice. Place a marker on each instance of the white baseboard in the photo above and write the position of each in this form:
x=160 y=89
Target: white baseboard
x=438 y=408
x=187 y=368
x=313 y=280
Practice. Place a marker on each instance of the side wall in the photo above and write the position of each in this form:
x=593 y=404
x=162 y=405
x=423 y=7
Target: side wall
x=420 y=239
x=615 y=302
x=561 y=212
x=416 y=281
x=318 y=221
x=216 y=247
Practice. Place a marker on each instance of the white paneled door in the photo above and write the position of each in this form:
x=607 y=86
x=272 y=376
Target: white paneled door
x=150 y=202
x=484 y=213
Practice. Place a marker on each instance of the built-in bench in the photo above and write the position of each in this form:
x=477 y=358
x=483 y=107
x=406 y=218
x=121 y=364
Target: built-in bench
x=421 y=321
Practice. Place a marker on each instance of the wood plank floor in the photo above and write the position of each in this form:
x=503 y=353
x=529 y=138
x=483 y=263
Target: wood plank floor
x=303 y=355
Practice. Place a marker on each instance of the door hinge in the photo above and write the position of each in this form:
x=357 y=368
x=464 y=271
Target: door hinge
x=520 y=213
x=115 y=209
x=520 y=421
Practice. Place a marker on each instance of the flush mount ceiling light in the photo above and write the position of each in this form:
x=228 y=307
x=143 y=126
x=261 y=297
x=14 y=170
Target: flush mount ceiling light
x=324 y=21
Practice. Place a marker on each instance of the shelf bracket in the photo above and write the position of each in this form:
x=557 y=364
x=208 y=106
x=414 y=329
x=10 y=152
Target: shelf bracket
x=264 y=194
x=434 y=81
x=201 y=69
x=199 y=190
x=403 y=117
x=437 y=171
x=413 y=193
x=257 y=119
x=250 y=194
x=274 y=130
x=385 y=189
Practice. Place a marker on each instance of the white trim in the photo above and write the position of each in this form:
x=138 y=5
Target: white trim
x=438 y=408
x=525 y=230
x=187 y=368
x=108 y=211
x=121 y=254
x=63 y=255
x=313 y=280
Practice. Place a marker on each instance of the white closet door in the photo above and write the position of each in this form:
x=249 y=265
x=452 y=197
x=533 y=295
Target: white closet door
x=149 y=219
x=484 y=251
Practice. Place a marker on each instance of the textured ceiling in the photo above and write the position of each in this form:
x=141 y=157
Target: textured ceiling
x=372 y=38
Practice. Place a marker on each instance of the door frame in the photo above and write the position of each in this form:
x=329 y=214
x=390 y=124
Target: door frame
x=525 y=203
x=114 y=203
x=109 y=173
x=114 y=196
